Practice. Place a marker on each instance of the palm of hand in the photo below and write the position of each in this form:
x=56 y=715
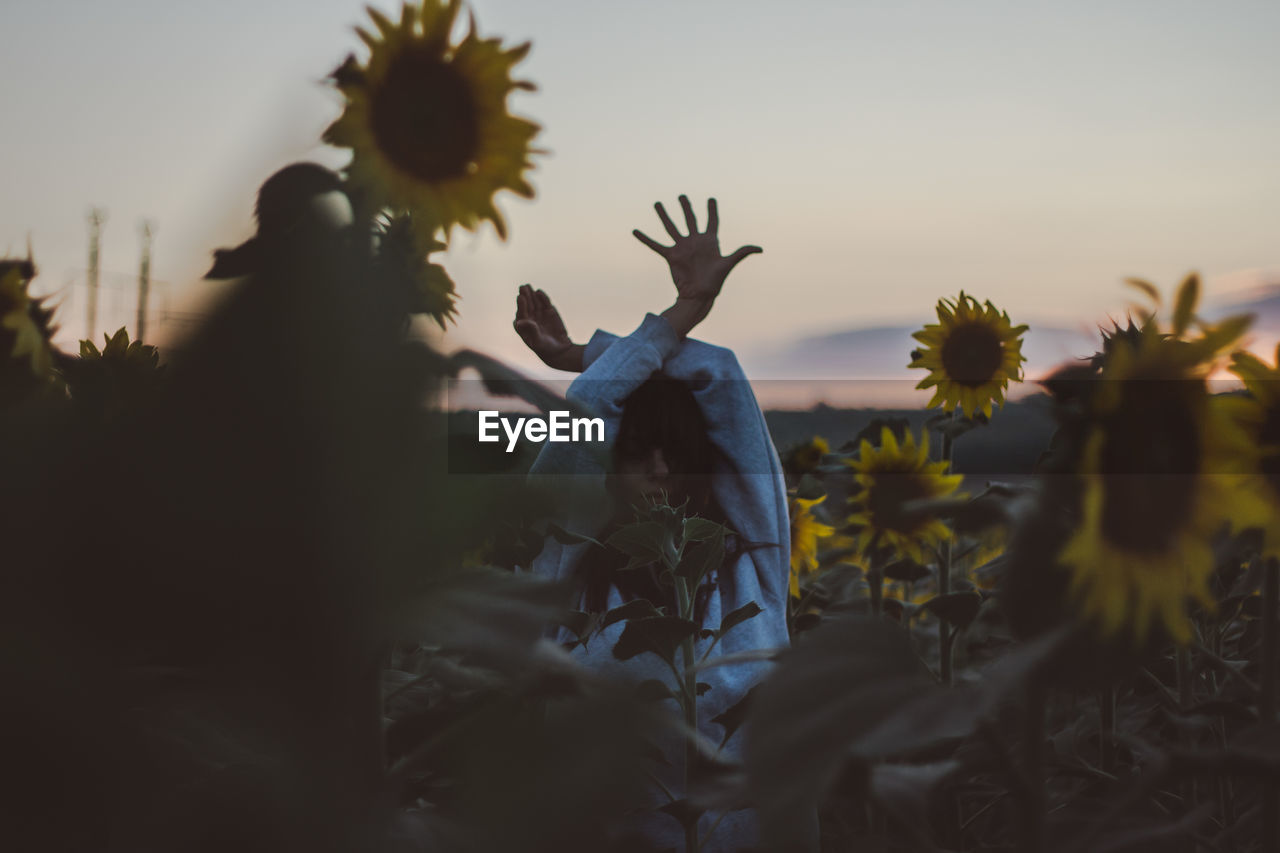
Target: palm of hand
x=549 y=330
x=539 y=325
x=697 y=267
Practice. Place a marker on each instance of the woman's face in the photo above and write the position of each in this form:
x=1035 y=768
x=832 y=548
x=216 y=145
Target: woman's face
x=642 y=476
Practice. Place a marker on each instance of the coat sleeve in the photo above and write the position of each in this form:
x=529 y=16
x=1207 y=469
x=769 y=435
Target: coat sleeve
x=749 y=483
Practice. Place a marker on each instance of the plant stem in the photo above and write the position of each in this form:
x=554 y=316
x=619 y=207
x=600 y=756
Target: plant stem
x=1107 y=729
x=1182 y=670
x=688 y=703
x=945 y=636
x=1267 y=701
x=875 y=581
x=1031 y=818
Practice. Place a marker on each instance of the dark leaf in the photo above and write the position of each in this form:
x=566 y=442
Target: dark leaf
x=736 y=617
x=702 y=687
x=683 y=811
x=645 y=540
x=697 y=529
x=701 y=558
x=661 y=635
x=807 y=622
x=836 y=685
x=579 y=622
x=652 y=690
x=958 y=608
x=637 y=608
x=936 y=715
x=731 y=718
x=906 y=570
x=493 y=613
x=906 y=790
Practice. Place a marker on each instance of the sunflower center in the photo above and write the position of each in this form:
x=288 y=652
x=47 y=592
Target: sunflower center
x=889 y=495
x=972 y=354
x=424 y=117
x=1150 y=462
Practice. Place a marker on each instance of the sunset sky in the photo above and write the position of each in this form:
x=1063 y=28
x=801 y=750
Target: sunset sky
x=884 y=155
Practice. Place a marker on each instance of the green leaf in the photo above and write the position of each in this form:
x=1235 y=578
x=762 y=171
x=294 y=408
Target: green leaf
x=653 y=690
x=88 y=350
x=1146 y=287
x=1185 y=306
x=810 y=488
x=579 y=622
x=697 y=529
x=750 y=610
x=661 y=635
x=701 y=558
x=906 y=570
x=958 y=608
x=732 y=718
x=565 y=537
x=645 y=540
x=683 y=811
x=638 y=608
x=1226 y=332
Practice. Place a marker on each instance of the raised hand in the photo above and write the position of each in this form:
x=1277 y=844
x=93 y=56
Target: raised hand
x=539 y=325
x=697 y=267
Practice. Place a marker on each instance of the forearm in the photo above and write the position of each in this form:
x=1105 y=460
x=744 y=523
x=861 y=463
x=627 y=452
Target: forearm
x=570 y=360
x=685 y=314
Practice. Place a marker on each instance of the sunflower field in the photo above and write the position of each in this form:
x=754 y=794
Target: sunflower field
x=250 y=604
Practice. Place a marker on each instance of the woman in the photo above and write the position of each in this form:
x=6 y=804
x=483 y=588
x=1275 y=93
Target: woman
x=681 y=419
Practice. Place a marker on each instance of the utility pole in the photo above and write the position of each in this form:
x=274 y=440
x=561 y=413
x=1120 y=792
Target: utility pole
x=97 y=216
x=148 y=229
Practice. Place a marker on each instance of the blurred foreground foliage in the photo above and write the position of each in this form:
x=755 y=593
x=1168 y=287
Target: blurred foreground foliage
x=245 y=605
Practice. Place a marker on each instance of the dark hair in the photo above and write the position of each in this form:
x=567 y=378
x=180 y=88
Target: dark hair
x=662 y=413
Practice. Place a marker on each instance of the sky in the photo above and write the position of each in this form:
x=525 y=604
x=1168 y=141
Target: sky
x=883 y=155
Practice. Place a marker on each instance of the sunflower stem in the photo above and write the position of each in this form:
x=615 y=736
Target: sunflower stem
x=1267 y=701
x=944 y=570
x=689 y=704
x=1107 y=729
x=1186 y=698
x=875 y=582
x=1031 y=817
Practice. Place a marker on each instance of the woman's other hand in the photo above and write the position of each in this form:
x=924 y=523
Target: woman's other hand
x=539 y=325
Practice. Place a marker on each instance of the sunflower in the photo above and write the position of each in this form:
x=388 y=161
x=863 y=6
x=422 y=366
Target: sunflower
x=1259 y=415
x=427 y=120
x=403 y=257
x=806 y=530
x=805 y=458
x=891 y=477
x=1161 y=473
x=971 y=353
x=25 y=329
